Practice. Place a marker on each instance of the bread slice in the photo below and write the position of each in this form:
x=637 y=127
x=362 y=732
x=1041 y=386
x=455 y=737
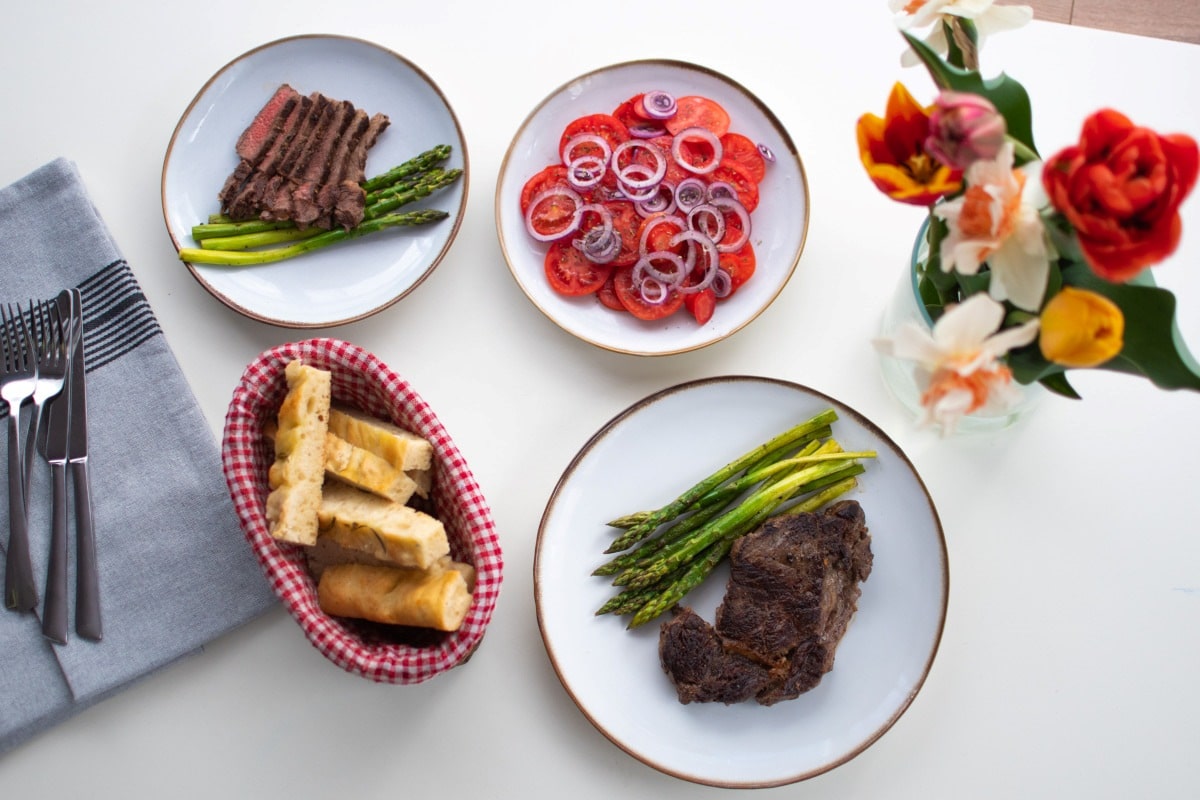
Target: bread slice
x=402 y=449
x=438 y=600
x=383 y=528
x=298 y=472
x=365 y=470
x=327 y=552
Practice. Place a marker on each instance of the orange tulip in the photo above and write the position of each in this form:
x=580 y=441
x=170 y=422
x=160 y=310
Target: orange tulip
x=1081 y=328
x=893 y=151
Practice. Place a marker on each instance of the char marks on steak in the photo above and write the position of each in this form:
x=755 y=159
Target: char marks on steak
x=302 y=158
x=793 y=588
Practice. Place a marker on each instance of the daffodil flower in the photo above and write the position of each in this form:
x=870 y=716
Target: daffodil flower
x=996 y=221
x=958 y=364
x=987 y=17
x=1081 y=328
x=892 y=150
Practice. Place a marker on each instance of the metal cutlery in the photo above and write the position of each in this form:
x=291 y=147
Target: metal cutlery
x=57 y=345
x=88 y=619
x=18 y=380
x=51 y=341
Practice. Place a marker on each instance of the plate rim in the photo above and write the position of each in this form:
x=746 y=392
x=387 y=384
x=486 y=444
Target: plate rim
x=232 y=63
x=673 y=63
x=697 y=383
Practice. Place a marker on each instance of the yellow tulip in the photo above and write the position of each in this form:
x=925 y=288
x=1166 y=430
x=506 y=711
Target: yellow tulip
x=1081 y=328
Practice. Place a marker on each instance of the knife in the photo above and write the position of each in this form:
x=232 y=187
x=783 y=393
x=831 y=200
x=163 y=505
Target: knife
x=87 y=579
x=52 y=444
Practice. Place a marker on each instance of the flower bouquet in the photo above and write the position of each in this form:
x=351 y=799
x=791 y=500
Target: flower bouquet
x=1028 y=268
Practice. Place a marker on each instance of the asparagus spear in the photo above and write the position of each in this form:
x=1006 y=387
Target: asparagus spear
x=643 y=529
x=744 y=517
x=700 y=569
x=198 y=255
x=247 y=241
x=389 y=201
x=704 y=510
x=418 y=163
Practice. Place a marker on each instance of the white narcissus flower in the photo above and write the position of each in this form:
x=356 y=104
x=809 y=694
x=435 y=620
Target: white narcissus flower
x=988 y=18
x=958 y=366
x=995 y=220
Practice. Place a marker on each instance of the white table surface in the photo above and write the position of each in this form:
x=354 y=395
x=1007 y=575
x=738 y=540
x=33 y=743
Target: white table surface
x=1069 y=662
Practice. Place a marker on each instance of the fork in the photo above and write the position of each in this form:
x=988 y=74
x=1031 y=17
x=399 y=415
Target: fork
x=18 y=379
x=52 y=342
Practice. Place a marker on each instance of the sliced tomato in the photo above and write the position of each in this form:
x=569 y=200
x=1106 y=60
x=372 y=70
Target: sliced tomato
x=701 y=304
x=735 y=175
x=606 y=126
x=607 y=295
x=631 y=298
x=550 y=177
x=553 y=216
x=627 y=223
x=740 y=265
x=571 y=273
x=698 y=111
x=741 y=149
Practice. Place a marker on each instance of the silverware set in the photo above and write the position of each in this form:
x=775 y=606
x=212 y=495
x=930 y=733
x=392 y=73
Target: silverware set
x=41 y=364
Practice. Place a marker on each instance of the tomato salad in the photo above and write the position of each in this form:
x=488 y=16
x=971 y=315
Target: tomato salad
x=648 y=207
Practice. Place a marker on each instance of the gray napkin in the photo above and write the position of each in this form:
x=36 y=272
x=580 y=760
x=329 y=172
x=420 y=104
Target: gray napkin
x=175 y=569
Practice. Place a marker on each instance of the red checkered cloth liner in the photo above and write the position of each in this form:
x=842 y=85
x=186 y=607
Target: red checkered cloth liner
x=361 y=380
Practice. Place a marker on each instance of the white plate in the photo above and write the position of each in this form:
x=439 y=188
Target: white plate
x=780 y=223
x=350 y=280
x=642 y=459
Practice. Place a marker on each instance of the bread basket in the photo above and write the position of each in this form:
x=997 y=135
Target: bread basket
x=361 y=380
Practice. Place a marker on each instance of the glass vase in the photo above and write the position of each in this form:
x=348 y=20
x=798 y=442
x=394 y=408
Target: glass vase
x=899 y=375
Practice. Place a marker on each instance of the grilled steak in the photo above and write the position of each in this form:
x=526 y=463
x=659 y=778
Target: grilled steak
x=793 y=588
x=302 y=159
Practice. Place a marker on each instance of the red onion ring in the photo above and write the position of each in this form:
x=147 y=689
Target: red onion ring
x=663 y=201
x=653 y=292
x=689 y=193
x=710 y=253
x=659 y=104
x=585 y=138
x=540 y=198
x=678 y=221
x=701 y=134
x=586 y=171
x=718 y=189
x=743 y=216
x=672 y=278
x=696 y=223
x=722 y=283
x=766 y=152
x=646 y=130
x=652 y=177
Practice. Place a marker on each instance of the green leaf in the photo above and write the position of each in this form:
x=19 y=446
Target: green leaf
x=1009 y=96
x=1057 y=382
x=1153 y=348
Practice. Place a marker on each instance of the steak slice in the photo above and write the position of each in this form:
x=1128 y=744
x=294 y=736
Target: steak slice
x=793 y=588
x=259 y=134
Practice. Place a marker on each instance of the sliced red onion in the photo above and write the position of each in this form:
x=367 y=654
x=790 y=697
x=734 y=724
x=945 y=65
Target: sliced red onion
x=709 y=220
x=659 y=104
x=586 y=171
x=543 y=196
x=766 y=152
x=653 y=292
x=722 y=283
x=718 y=189
x=663 y=201
x=689 y=193
x=600 y=243
x=701 y=134
x=646 y=130
x=739 y=210
x=649 y=176
x=585 y=138
x=712 y=258
x=677 y=270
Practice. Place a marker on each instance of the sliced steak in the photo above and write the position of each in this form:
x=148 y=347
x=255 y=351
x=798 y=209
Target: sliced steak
x=793 y=588
x=302 y=158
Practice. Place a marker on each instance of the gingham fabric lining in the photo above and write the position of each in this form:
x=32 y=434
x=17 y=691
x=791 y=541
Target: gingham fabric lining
x=361 y=380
